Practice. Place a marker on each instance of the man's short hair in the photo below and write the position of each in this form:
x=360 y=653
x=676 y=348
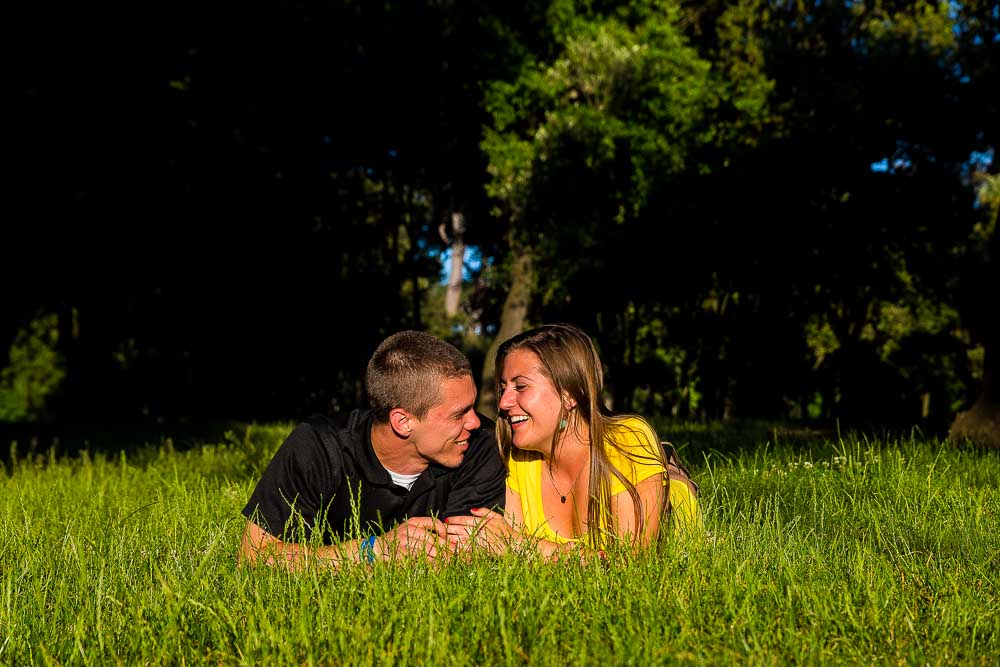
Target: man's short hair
x=407 y=371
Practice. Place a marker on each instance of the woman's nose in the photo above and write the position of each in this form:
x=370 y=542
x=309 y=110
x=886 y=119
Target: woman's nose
x=506 y=400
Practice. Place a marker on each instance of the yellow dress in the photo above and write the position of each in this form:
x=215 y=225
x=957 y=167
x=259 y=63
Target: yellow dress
x=643 y=460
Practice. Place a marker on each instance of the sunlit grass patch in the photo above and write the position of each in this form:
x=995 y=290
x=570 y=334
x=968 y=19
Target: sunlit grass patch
x=836 y=550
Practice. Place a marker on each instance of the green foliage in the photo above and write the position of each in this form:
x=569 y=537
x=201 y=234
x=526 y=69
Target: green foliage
x=821 y=339
x=35 y=371
x=988 y=196
x=921 y=28
x=819 y=551
x=623 y=99
x=747 y=108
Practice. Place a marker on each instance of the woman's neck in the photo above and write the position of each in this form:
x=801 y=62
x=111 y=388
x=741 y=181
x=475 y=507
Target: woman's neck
x=571 y=449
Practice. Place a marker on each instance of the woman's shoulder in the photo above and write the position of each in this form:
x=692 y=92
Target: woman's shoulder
x=521 y=468
x=633 y=449
x=631 y=431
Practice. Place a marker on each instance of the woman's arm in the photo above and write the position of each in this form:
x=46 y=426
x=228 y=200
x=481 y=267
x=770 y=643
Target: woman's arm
x=498 y=533
x=651 y=499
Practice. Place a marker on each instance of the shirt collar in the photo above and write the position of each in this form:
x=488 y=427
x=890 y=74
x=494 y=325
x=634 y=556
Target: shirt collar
x=369 y=466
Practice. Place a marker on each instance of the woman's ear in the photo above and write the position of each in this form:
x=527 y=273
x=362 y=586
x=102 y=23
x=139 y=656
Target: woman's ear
x=568 y=402
x=399 y=420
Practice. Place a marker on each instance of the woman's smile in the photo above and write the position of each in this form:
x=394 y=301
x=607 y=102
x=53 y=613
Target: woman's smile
x=528 y=401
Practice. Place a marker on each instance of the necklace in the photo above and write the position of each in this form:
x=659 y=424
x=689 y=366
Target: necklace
x=562 y=496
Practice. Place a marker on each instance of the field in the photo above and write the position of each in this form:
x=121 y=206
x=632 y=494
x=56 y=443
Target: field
x=819 y=549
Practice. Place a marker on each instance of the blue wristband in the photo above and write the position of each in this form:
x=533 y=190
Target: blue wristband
x=366 y=549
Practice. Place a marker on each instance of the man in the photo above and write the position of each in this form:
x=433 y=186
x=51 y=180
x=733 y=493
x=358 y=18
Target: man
x=386 y=478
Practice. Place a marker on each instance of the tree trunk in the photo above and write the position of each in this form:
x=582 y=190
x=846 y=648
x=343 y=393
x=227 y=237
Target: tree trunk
x=981 y=424
x=457 y=245
x=512 y=321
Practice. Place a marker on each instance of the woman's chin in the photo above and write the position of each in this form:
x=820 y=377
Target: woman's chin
x=529 y=445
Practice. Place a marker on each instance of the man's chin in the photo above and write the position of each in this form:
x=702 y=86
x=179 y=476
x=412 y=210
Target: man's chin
x=455 y=459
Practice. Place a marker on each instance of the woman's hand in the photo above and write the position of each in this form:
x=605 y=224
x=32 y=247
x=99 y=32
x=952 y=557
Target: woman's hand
x=484 y=528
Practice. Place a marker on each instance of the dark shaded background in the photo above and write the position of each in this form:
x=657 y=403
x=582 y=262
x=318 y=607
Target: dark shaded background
x=229 y=207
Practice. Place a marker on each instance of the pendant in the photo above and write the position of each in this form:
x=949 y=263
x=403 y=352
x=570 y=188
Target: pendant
x=562 y=499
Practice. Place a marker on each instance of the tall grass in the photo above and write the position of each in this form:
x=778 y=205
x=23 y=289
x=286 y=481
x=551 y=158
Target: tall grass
x=842 y=550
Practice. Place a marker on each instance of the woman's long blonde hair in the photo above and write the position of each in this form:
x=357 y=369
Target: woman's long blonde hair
x=570 y=361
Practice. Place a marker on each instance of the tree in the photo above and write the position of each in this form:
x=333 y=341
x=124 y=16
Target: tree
x=981 y=423
x=581 y=138
x=861 y=287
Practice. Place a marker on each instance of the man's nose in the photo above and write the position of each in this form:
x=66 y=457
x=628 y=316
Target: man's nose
x=473 y=423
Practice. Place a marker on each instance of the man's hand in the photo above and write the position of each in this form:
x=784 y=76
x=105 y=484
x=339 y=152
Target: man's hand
x=414 y=538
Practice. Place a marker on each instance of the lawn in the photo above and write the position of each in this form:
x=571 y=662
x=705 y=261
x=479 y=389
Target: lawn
x=819 y=548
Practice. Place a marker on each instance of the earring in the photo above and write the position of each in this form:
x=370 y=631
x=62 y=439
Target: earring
x=562 y=424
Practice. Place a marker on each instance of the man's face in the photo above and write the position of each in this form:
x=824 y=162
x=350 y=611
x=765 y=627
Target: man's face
x=442 y=436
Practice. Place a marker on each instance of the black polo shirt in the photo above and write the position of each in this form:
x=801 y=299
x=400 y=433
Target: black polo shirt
x=330 y=475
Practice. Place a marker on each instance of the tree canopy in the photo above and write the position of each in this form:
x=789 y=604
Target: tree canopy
x=758 y=208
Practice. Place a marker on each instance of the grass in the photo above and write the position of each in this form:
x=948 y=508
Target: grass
x=823 y=550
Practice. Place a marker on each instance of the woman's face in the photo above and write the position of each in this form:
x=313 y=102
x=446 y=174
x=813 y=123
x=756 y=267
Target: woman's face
x=528 y=401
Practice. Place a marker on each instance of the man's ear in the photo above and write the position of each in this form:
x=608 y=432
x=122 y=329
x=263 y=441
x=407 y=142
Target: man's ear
x=399 y=420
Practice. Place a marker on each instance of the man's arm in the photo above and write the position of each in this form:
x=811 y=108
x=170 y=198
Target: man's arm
x=258 y=547
x=420 y=536
x=300 y=480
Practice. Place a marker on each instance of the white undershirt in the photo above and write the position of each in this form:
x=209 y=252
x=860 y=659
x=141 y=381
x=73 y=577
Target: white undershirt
x=405 y=481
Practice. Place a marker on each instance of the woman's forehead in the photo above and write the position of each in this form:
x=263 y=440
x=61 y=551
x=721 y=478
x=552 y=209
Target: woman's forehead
x=521 y=362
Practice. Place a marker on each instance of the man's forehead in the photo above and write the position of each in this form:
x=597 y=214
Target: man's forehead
x=456 y=394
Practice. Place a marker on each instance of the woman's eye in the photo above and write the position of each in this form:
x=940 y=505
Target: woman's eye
x=519 y=387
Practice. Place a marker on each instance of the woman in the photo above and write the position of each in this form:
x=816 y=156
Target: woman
x=576 y=473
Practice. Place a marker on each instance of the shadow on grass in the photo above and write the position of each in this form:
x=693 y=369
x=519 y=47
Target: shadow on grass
x=28 y=441
x=696 y=441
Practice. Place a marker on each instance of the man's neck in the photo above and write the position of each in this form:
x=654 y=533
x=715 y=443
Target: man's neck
x=395 y=453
